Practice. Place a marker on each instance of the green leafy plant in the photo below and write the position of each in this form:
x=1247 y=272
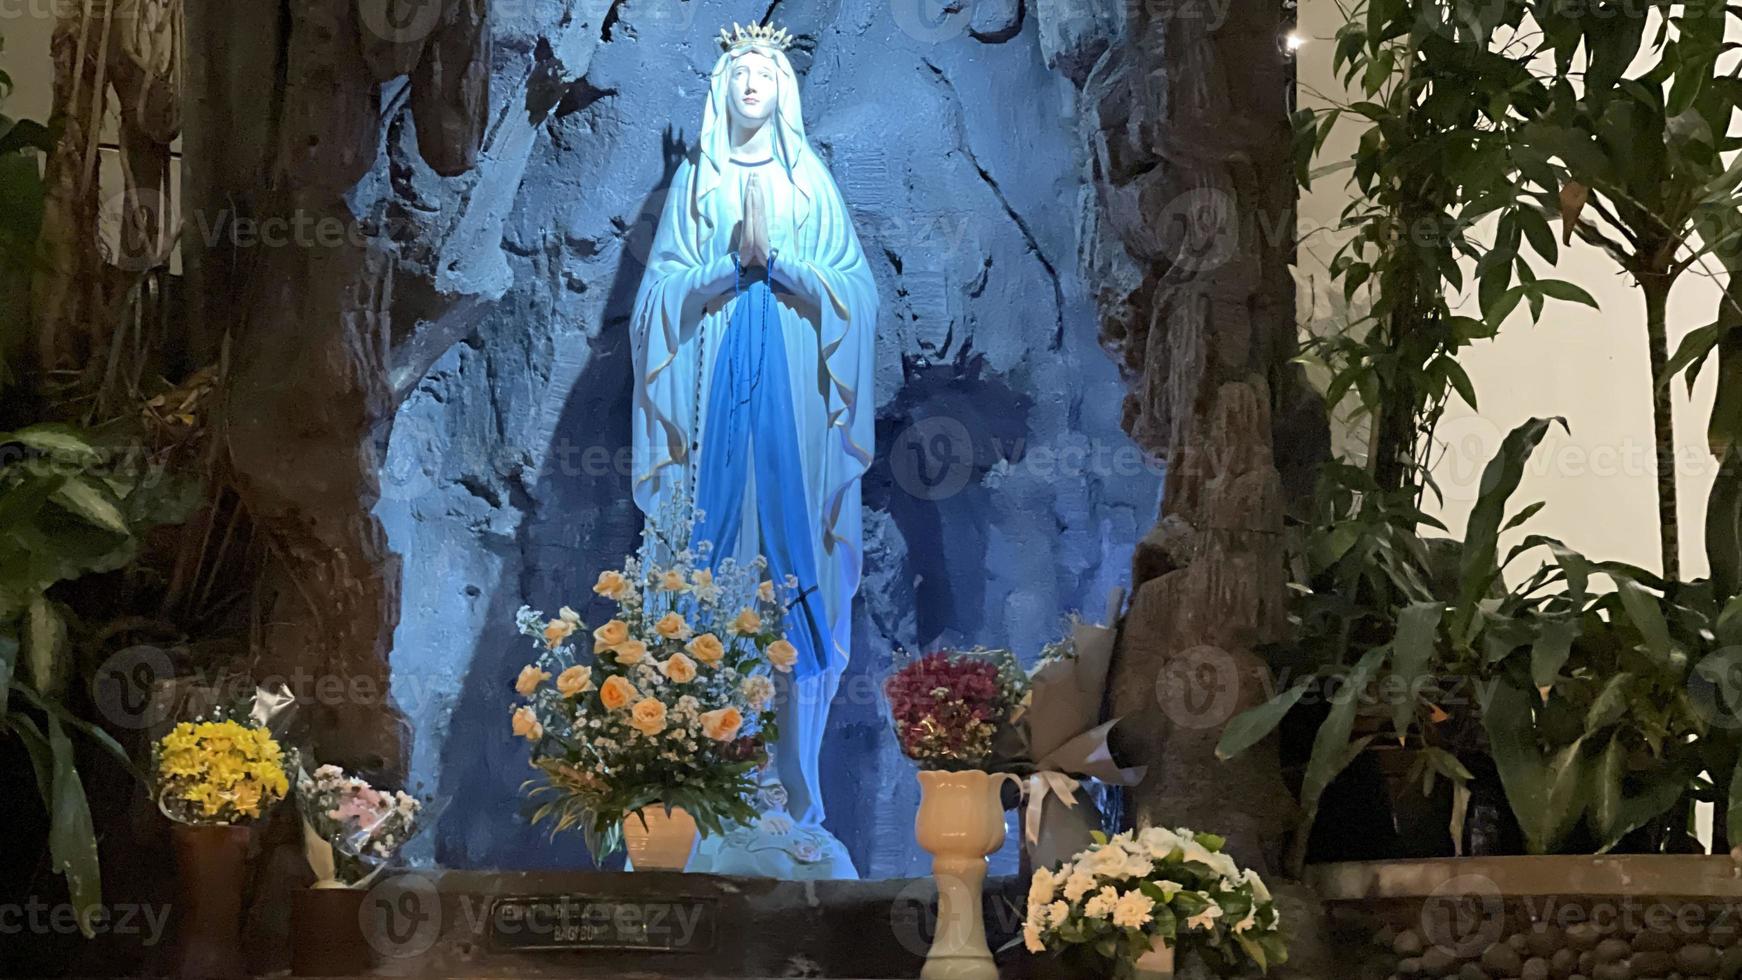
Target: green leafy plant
x=1581 y=698
x=1638 y=165
x=65 y=513
x=1438 y=87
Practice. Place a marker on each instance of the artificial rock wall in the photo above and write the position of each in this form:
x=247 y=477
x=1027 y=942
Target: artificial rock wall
x=1004 y=494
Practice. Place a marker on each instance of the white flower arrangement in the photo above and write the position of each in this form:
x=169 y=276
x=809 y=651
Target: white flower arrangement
x=352 y=828
x=672 y=703
x=1127 y=893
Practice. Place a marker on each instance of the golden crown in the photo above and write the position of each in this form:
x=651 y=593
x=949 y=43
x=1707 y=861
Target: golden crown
x=757 y=35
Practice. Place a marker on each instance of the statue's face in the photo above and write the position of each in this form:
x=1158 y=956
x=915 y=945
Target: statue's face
x=752 y=92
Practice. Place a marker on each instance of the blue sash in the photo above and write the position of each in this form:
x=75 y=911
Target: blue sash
x=750 y=429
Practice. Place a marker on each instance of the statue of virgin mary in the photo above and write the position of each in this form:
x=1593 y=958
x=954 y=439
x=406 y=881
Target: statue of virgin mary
x=753 y=332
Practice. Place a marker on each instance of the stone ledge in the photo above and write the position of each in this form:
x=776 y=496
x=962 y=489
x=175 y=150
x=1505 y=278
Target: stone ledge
x=1617 y=875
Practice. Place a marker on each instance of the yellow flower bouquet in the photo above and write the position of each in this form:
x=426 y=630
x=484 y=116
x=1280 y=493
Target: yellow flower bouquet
x=672 y=702
x=218 y=772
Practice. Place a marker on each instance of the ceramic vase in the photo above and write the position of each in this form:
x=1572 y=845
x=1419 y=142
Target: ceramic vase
x=960 y=822
x=658 y=839
x=211 y=868
x=1157 y=964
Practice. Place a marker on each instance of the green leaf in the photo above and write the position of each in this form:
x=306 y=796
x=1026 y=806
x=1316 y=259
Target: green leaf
x=1646 y=616
x=1331 y=748
x=1539 y=234
x=1733 y=815
x=1547 y=790
x=1724 y=525
x=85 y=499
x=72 y=841
x=1523 y=517
x=45 y=647
x=1563 y=290
x=1251 y=727
x=54 y=438
x=1550 y=651
x=1500 y=479
x=1459 y=380
x=1611 y=703
x=24 y=501
x=1418 y=628
x=1617 y=814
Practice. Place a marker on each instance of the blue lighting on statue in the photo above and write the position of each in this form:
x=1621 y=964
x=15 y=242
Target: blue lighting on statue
x=748 y=430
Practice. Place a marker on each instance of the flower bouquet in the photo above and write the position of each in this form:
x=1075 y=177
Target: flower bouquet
x=1144 y=896
x=218 y=771
x=213 y=775
x=350 y=828
x=950 y=709
x=1061 y=742
x=671 y=704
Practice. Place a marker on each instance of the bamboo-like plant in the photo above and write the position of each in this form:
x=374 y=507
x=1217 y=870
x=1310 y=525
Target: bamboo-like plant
x=1638 y=166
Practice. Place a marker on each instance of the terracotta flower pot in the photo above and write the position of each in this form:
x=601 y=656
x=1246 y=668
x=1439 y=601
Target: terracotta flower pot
x=211 y=870
x=658 y=840
x=326 y=933
x=960 y=821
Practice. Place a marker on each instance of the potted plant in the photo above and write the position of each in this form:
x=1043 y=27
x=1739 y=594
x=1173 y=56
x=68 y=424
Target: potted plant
x=657 y=732
x=1140 y=900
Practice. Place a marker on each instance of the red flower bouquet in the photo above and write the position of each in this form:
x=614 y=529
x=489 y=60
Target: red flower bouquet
x=948 y=707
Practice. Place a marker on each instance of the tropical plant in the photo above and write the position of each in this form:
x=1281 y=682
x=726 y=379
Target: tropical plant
x=1638 y=167
x=1439 y=85
x=66 y=511
x=1581 y=698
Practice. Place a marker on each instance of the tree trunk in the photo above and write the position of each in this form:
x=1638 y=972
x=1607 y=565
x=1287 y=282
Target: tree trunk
x=1657 y=286
x=1190 y=134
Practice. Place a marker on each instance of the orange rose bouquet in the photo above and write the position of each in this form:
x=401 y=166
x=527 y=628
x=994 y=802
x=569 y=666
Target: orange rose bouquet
x=671 y=703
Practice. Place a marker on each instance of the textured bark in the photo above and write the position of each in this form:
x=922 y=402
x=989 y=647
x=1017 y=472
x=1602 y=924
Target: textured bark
x=1186 y=121
x=310 y=314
